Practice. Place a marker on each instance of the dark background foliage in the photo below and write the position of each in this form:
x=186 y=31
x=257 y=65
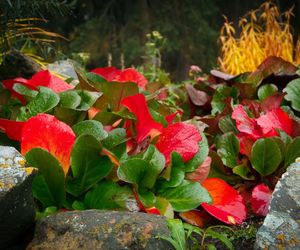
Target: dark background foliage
x=119 y=27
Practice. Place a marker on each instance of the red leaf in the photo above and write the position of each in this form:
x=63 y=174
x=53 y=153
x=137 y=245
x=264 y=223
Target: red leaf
x=13 y=129
x=46 y=132
x=46 y=79
x=193 y=217
x=9 y=85
x=275 y=119
x=228 y=205
x=108 y=73
x=246 y=124
x=152 y=210
x=145 y=125
x=260 y=200
x=92 y=112
x=170 y=118
x=131 y=75
x=246 y=143
x=180 y=137
x=201 y=173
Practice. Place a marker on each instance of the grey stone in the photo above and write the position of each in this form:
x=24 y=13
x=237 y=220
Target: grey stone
x=96 y=229
x=64 y=68
x=281 y=227
x=17 y=210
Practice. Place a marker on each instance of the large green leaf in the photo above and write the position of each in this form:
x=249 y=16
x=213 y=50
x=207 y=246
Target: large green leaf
x=69 y=99
x=228 y=149
x=292 y=152
x=265 y=156
x=23 y=90
x=198 y=159
x=266 y=90
x=113 y=93
x=107 y=195
x=175 y=171
x=90 y=127
x=88 y=99
x=88 y=165
x=44 y=101
x=187 y=196
x=49 y=185
x=293 y=93
x=221 y=94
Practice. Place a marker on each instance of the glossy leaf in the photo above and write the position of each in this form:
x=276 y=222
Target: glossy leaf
x=107 y=195
x=139 y=172
x=49 y=186
x=145 y=125
x=275 y=119
x=46 y=132
x=292 y=152
x=180 y=137
x=113 y=94
x=108 y=73
x=293 y=93
x=88 y=166
x=44 y=101
x=69 y=99
x=88 y=99
x=265 y=156
x=260 y=200
x=24 y=91
x=187 y=196
x=228 y=149
x=131 y=75
x=222 y=93
x=198 y=159
x=90 y=127
x=227 y=125
x=201 y=173
x=266 y=90
x=13 y=129
x=227 y=204
x=244 y=172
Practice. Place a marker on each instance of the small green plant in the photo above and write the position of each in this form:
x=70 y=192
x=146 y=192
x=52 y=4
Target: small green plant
x=184 y=236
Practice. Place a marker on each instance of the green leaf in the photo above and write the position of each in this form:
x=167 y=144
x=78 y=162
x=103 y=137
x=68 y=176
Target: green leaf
x=69 y=116
x=90 y=127
x=44 y=101
x=198 y=159
x=265 y=156
x=106 y=117
x=113 y=93
x=88 y=99
x=46 y=212
x=140 y=172
x=292 y=152
x=176 y=170
x=164 y=207
x=244 y=172
x=49 y=185
x=23 y=90
x=187 y=196
x=228 y=149
x=88 y=166
x=69 y=99
x=266 y=90
x=226 y=125
x=107 y=195
x=211 y=233
x=78 y=205
x=221 y=94
x=115 y=138
x=147 y=197
x=293 y=93
x=177 y=239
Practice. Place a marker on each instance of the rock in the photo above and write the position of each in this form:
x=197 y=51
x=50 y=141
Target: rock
x=281 y=227
x=96 y=229
x=64 y=67
x=17 y=210
x=16 y=64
